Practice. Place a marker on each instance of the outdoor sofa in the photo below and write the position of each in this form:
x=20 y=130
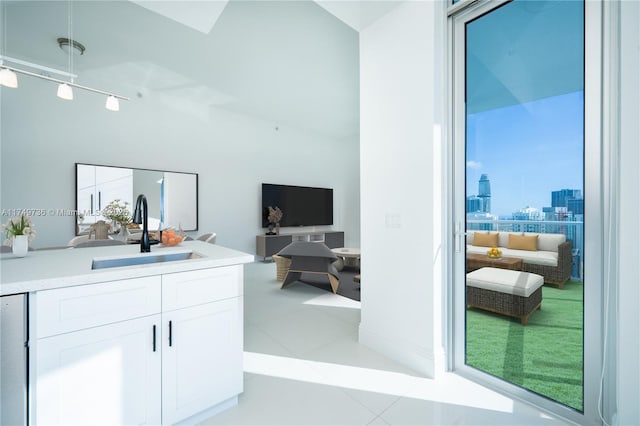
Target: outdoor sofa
x=548 y=255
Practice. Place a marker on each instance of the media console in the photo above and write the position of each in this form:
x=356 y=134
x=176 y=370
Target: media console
x=268 y=245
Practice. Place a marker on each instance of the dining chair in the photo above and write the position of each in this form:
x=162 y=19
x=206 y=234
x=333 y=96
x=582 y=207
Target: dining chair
x=208 y=237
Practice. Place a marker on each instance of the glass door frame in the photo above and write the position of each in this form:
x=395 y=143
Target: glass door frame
x=594 y=192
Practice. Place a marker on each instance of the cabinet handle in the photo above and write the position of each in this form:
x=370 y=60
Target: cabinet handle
x=170 y=334
x=154 y=337
x=99 y=200
x=91 y=207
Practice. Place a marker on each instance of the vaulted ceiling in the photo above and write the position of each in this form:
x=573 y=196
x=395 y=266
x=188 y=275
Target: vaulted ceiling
x=289 y=62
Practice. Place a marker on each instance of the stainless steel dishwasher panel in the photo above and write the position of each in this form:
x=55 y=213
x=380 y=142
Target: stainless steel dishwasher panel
x=13 y=360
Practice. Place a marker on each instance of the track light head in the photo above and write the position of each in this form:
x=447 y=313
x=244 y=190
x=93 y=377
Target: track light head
x=65 y=92
x=8 y=78
x=112 y=103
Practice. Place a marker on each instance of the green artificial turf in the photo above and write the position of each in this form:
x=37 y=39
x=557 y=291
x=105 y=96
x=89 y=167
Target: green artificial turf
x=545 y=356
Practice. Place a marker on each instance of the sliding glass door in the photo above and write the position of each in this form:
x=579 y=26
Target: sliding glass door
x=519 y=136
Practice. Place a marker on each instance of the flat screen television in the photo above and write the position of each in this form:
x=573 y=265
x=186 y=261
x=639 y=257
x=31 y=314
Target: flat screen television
x=300 y=205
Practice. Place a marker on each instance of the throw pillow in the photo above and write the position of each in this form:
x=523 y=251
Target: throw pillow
x=523 y=242
x=485 y=240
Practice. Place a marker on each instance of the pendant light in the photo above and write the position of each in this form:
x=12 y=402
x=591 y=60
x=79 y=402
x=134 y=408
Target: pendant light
x=65 y=92
x=8 y=78
x=112 y=103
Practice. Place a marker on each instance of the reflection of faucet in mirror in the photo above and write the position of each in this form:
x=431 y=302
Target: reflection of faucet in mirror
x=141 y=203
x=172 y=197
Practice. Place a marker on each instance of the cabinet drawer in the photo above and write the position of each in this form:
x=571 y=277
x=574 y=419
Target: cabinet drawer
x=75 y=308
x=184 y=289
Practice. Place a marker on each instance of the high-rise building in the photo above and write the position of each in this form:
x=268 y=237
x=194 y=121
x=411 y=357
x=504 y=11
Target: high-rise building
x=474 y=204
x=560 y=198
x=575 y=205
x=527 y=213
x=484 y=193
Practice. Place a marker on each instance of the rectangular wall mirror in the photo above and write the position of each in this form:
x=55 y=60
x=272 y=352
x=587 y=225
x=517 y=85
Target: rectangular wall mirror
x=172 y=197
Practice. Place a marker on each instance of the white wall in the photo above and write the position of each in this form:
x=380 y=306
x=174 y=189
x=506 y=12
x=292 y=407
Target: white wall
x=43 y=136
x=400 y=177
x=628 y=345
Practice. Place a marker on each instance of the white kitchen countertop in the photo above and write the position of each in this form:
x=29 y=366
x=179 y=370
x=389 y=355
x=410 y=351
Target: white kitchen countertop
x=49 y=269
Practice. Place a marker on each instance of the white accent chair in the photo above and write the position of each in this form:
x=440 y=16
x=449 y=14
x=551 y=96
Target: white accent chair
x=99 y=243
x=208 y=237
x=82 y=239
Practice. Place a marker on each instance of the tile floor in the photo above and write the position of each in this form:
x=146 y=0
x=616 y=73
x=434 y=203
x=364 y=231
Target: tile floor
x=304 y=366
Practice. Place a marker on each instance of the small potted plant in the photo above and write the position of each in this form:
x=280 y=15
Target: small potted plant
x=19 y=232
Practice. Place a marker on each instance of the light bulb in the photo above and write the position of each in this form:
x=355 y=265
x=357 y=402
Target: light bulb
x=112 y=103
x=8 y=78
x=65 y=91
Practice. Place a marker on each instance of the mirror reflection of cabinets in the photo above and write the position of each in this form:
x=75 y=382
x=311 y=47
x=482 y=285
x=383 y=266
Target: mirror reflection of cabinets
x=98 y=185
x=172 y=197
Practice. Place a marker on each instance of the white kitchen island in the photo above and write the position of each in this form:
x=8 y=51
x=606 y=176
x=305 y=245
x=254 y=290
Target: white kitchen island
x=157 y=343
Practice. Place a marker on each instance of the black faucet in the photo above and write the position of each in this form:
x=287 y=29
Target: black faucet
x=145 y=244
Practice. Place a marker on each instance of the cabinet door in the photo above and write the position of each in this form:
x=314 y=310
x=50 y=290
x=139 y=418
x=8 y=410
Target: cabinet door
x=112 y=183
x=119 y=189
x=334 y=239
x=201 y=359
x=102 y=375
x=86 y=204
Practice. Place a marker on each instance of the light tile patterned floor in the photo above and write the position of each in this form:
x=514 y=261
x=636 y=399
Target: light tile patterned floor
x=304 y=366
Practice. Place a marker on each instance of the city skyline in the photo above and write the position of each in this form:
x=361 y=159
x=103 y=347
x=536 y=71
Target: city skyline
x=528 y=151
x=565 y=200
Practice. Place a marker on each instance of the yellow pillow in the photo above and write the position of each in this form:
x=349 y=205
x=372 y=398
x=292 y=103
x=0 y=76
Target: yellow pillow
x=523 y=242
x=485 y=240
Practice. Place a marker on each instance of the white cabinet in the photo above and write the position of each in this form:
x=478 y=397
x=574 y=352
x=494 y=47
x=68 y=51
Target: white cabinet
x=101 y=375
x=149 y=350
x=201 y=358
x=202 y=327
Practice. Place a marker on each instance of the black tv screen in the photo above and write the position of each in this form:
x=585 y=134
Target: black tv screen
x=300 y=205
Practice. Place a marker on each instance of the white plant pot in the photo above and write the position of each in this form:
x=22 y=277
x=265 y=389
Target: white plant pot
x=20 y=245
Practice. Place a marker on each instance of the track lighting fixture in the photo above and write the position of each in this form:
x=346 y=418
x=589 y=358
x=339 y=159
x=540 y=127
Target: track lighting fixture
x=9 y=78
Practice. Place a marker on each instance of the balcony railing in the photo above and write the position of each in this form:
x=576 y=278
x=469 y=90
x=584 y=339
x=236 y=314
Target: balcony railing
x=573 y=230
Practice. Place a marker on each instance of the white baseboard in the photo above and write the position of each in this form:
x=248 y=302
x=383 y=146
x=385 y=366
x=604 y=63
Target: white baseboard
x=416 y=357
x=210 y=412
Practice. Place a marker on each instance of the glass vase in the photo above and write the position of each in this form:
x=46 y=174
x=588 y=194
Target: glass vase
x=123 y=235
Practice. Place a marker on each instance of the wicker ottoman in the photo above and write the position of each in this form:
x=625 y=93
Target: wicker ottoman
x=282 y=266
x=506 y=292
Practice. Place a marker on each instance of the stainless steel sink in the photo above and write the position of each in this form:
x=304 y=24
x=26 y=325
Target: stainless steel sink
x=142 y=259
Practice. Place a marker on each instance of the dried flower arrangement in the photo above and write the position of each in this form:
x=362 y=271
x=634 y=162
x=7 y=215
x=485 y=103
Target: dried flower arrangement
x=275 y=215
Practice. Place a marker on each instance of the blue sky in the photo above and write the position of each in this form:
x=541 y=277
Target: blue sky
x=527 y=150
